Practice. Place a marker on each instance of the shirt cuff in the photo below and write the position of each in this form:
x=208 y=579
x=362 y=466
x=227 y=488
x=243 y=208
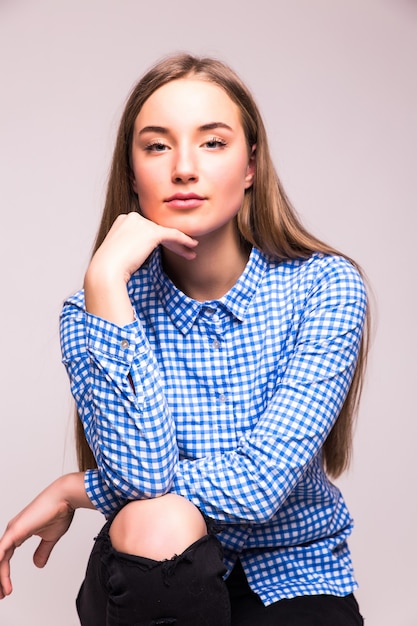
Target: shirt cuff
x=120 y=344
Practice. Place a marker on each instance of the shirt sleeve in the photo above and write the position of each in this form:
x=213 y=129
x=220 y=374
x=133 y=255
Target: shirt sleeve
x=115 y=381
x=251 y=483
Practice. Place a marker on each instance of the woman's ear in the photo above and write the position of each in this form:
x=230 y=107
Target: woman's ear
x=250 y=171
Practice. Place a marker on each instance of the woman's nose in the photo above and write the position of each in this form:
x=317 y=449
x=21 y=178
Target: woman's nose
x=185 y=166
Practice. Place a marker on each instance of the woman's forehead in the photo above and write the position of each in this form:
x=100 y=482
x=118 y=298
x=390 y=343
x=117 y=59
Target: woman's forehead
x=193 y=99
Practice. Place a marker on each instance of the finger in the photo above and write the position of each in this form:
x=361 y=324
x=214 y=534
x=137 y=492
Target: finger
x=186 y=252
x=43 y=552
x=180 y=243
x=5 y=581
x=183 y=251
x=173 y=235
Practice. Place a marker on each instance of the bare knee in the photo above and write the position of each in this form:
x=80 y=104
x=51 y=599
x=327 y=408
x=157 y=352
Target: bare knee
x=158 y=528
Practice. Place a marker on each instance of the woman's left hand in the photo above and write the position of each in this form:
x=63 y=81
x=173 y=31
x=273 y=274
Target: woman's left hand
x=48 y=516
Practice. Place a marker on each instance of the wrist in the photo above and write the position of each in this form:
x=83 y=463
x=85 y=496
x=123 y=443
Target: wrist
x=106 y=296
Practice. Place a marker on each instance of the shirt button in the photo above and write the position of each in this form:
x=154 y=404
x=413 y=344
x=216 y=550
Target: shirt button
x=124 y=343
x=216 y=344
x=222 y=398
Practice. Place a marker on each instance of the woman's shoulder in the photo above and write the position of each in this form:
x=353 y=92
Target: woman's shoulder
x=325 y=272
x=333 y=265
x=317 y=265
x=75 y=300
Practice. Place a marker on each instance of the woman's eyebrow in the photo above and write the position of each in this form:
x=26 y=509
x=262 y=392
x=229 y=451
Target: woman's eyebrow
x=204 y=127
x=153 y=129
x=214 y=125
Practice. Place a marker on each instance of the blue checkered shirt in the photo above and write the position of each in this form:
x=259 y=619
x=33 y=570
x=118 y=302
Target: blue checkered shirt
x=231 y=402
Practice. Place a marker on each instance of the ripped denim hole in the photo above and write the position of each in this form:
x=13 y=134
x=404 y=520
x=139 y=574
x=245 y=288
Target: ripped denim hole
x=170 y=565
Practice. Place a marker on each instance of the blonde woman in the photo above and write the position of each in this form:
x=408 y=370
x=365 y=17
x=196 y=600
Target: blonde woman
x=216 y=356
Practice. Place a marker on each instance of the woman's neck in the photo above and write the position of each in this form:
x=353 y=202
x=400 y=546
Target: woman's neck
x=219 y=263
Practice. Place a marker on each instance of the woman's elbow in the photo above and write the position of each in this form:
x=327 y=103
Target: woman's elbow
x=140 y=486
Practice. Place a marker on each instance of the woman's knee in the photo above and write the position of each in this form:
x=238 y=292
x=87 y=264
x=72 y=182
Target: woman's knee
x=158 y=528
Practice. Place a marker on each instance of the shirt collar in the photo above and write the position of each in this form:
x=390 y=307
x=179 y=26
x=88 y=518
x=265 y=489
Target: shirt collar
x=183 y=310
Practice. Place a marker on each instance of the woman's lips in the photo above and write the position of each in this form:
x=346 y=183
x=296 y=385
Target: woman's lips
x=184 y=201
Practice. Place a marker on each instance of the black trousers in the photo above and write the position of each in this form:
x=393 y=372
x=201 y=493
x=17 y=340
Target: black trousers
x=189 y=590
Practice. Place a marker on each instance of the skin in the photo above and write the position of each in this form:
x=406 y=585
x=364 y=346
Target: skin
x=48 y=516
x=201 y=248
x=188 y=139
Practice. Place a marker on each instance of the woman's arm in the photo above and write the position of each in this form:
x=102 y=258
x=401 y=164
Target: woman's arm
x=48 y=516
x=252 y=482
x=115 y=381
x=113 y=372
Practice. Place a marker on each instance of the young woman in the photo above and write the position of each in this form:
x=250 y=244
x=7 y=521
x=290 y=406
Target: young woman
x=216 y=356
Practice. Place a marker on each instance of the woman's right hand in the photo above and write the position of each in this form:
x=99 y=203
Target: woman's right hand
x=127 y=245
x=48 y=516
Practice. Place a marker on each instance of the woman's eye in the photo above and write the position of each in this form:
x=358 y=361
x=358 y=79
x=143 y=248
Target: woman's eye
x=215 y=142
x=156 y=146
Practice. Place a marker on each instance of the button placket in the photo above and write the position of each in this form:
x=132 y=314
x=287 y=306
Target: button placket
x=214 y=326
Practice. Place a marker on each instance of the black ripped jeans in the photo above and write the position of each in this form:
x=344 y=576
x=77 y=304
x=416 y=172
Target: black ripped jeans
x=189 y=590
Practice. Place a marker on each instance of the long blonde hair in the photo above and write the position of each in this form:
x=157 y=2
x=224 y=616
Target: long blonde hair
x=266 y=219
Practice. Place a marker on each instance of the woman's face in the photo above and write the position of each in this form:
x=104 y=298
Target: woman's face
x=190 y=159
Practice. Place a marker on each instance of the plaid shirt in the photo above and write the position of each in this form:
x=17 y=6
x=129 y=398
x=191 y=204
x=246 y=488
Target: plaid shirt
x=231 y=402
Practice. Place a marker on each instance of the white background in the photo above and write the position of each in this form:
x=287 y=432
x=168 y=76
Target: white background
x=336 y=81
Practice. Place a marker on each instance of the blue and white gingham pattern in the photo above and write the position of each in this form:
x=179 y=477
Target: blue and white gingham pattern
x=233 y=400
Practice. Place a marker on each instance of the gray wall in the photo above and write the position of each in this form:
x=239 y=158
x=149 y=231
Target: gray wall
x=336 y=81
